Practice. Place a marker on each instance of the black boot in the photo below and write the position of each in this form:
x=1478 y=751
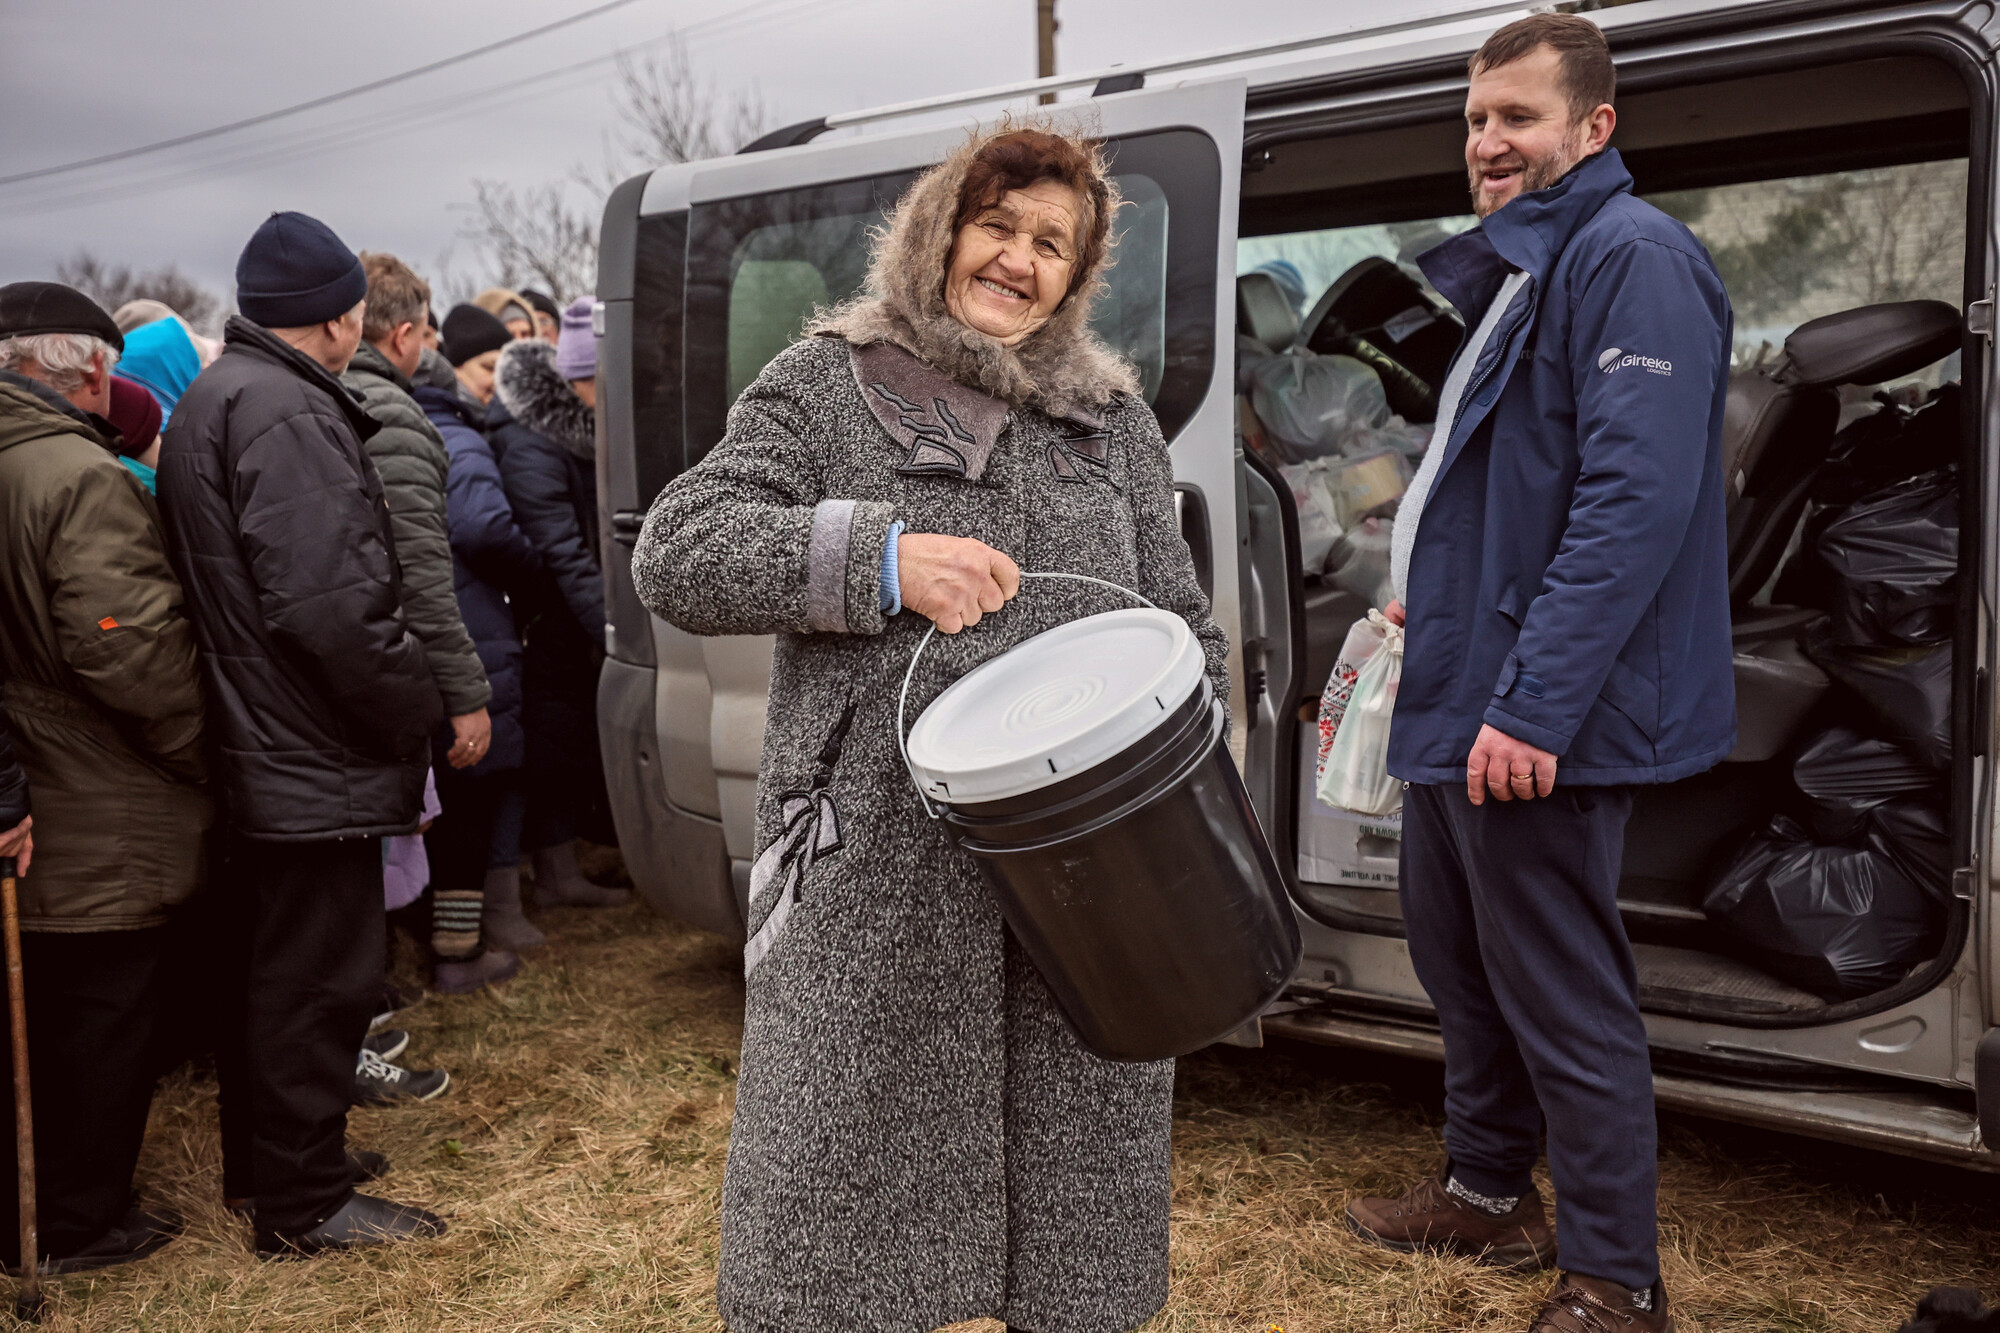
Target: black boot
x=362 y=1220
x=134 y=1236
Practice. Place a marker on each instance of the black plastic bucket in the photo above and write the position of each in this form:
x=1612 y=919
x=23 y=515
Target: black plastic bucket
x=1140 y=885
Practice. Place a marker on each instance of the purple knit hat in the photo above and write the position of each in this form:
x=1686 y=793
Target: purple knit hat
x=576 y=349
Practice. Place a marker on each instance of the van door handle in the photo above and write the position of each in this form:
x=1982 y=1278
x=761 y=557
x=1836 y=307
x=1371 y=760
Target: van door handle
x=625 y=526
x=1191 y=508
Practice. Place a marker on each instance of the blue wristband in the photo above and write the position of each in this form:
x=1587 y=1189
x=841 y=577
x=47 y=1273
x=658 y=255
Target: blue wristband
x=892 y=582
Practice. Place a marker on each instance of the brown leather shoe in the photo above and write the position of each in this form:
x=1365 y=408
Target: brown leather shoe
x=1432 y=1217
x=1582 y=1304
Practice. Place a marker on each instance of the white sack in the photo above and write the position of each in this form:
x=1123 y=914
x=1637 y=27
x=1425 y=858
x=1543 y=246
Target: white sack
x=1355 y=773
x=1359 y=561
x=1312 y=402
x=1319 y=518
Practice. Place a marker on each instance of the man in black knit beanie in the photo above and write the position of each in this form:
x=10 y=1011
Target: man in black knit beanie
x=322 y=708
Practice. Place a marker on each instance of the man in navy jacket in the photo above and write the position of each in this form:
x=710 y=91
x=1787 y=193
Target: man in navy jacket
x=1562 y=566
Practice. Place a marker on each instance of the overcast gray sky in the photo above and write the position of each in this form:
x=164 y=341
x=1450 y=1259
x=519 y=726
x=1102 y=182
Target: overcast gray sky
x=394 y=171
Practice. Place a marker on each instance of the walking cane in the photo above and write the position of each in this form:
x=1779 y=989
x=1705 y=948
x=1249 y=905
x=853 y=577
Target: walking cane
x=28 y=1303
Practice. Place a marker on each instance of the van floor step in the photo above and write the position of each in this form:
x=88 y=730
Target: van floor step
x=1668 y=975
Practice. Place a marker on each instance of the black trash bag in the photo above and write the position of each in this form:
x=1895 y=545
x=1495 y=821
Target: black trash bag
x=1837 y=921
x=1846 y=777
x=1914 y=833
x=1891 y=560
x=1887 y=446
x=1857 y=787
x=1906 y=689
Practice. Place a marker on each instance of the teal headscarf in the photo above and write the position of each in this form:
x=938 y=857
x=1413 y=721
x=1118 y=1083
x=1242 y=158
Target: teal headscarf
x=162 y=357
x=142 y=472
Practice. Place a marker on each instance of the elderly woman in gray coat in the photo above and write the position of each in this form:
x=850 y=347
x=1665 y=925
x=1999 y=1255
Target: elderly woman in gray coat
x=919 y=1137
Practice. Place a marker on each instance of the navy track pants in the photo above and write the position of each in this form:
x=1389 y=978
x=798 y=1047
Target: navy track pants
x=1511 y=908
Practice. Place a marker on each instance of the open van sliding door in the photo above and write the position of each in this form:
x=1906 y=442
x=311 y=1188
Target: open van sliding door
x=724 y=260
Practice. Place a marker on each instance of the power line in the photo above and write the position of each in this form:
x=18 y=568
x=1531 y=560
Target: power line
x=374 y=125
x=125 y=154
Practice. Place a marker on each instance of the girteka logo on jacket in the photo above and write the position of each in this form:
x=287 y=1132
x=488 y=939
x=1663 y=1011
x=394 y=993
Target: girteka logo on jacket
x=1611 y=358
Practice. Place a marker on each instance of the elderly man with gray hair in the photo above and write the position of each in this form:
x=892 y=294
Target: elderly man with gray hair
x=103 y=697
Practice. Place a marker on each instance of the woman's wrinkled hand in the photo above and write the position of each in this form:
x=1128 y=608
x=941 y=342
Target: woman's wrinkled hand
x=952 y=581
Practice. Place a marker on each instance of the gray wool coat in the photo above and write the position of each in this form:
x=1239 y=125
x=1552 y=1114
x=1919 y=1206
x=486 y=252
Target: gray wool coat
x=919 y=1137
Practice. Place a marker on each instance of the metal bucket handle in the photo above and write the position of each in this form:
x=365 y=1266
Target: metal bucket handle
x=903 y=700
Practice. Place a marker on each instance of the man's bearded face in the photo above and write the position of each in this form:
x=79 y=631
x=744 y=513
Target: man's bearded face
x=1522 y=133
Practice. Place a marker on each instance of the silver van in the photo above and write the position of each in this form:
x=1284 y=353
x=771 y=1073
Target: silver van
x=1837 y=158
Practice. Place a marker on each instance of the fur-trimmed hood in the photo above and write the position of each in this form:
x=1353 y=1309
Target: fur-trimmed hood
x=530 y=388
x=1061 y=368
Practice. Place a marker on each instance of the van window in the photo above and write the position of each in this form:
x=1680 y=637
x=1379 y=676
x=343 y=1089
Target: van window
x=659 y=289
x=1796 y=249
x=758 y=267
x=783 y=270
x=1789 y=250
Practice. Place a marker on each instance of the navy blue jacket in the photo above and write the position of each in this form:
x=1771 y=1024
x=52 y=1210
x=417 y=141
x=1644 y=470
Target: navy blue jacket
x=490 y=559
x=1569 y=582
x=554 y=496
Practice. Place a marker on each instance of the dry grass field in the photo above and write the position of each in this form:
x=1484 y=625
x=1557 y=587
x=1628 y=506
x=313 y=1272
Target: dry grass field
x=579 y=1157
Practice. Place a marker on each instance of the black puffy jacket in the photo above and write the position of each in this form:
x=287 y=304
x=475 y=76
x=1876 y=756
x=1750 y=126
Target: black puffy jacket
x=320 y=703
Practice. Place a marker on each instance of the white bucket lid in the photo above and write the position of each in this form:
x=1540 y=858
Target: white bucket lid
x=1054 y=705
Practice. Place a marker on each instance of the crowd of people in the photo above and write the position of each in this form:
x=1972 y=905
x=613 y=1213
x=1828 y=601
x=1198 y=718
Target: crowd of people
x=300 y=631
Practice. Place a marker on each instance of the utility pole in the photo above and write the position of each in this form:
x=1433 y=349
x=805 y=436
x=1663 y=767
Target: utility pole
x=1045 y=43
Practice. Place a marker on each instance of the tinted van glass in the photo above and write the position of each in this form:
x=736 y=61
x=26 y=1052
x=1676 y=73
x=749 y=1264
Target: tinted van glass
x=1789 y=249
x=659 y=290
x=759 y=266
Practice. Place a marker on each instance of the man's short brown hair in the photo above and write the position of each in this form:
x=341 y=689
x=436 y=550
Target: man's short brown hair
x=396 y=296
x=1589 y=78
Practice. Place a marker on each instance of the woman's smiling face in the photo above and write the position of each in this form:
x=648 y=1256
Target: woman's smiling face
x=1010 y=265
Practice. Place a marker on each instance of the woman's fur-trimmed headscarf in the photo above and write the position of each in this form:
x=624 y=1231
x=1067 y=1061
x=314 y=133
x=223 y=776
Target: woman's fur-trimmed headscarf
x=1060 y=368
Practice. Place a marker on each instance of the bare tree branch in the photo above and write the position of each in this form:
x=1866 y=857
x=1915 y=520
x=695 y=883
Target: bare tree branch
x=667 y=113
x=532 y=237
x=664 y=113
x=112 y=287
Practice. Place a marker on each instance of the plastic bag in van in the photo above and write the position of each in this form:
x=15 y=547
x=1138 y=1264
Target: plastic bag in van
x=1366 y=485
x=1886 y=445
x=1319 y=517
x=1365 y=638
x=1891 y=560
x=1834 y=920
x=1857 y=787
x=1355 y=773
x=1914 y=832
x=1845 y=777
x=1408 y=438
x=1310 y=402
x=1906 y=689
x=1359 y=561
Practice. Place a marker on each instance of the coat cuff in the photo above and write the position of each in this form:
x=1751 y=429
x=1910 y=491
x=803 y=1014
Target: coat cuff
x=844 y=566
x=462 y=699
x=1555 y=742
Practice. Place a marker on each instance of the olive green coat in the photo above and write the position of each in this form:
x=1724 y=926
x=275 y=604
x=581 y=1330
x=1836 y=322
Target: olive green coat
x=410 y=455
x=103 y=690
